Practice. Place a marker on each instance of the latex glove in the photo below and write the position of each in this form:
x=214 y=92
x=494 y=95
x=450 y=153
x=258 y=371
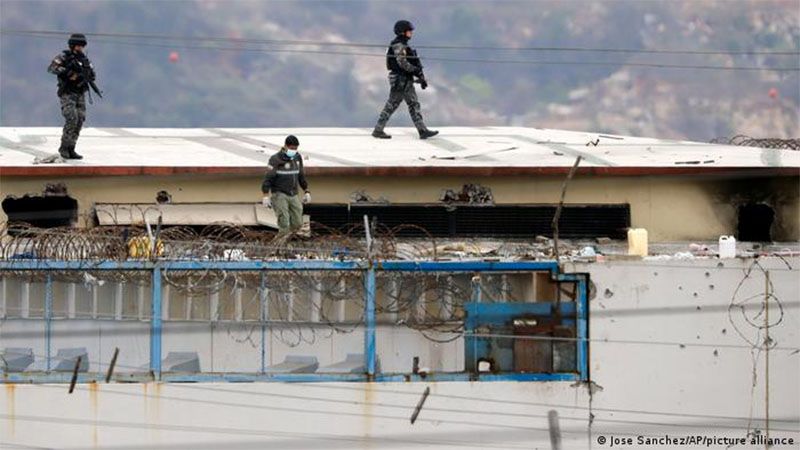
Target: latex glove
x=307 y=197
x=267 y=201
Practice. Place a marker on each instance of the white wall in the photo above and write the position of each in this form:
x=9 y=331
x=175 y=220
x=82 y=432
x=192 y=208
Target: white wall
x=653 y=388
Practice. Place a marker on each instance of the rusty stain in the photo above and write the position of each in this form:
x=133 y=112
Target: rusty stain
x=144 y=396
x=369 y=396
x=10 y=403
x=157 y=400
x=93 y=395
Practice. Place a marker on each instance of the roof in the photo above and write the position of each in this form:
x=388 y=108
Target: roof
x=478 y=151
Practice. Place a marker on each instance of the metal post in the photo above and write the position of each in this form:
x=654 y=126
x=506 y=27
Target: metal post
x=48 y=318
x=369 y=317
x=264 y=315
x=582 y=325
x=155 y=325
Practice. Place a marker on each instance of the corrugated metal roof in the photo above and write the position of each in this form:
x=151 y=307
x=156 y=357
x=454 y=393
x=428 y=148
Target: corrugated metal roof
x=457 y=150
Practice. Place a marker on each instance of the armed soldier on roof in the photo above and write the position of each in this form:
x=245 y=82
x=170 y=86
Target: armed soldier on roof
x=404 y=65
x=75 y=76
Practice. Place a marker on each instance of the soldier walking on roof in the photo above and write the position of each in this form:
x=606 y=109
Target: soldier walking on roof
x=403 y=65
x=75 y=76
x=284 y=177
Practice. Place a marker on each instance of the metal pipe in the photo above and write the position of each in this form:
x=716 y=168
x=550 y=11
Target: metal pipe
x=369 y=317
x=155 y=325
x=48 y=318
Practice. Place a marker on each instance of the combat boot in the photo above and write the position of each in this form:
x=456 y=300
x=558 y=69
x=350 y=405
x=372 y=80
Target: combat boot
x=426 y=133
x=64 y=151
x=380 y=134
x=72 y=154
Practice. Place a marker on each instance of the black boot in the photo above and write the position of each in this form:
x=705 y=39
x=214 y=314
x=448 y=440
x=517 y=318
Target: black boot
x=64 y=151
x=72 y=154
x=380 y=134
x=425 y=134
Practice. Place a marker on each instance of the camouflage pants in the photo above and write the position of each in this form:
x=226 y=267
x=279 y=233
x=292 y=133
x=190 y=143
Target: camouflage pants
x=73 y=108
x=289 y=211
x=402 y=89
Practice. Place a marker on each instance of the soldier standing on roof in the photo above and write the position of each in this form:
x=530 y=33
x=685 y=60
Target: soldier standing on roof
x=281 y=185
x=403 y=65
x=75 y=76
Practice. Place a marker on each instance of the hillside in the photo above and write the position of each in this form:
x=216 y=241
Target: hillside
x=249 y=84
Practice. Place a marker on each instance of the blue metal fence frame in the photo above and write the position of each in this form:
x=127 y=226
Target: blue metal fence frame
x=370 y=270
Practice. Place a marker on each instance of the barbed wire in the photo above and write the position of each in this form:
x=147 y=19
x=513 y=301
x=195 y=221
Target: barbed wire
x=747 y=141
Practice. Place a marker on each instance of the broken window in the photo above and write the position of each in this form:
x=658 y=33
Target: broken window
x=55 y=208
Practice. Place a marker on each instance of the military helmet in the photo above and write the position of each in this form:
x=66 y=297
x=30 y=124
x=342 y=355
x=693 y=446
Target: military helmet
x=401 y=26
x=77 y=39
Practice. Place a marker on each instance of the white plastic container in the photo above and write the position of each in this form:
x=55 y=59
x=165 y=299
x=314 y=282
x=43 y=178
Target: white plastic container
x=727 y=247
x=637 y=242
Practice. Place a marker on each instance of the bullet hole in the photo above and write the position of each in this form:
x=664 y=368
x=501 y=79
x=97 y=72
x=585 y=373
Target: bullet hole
x=682 y=346
x=655 y=274
x=708 y=274
x=163 y=197
x=698 y=308
x=711 y=287
x=716 y=353
x=680 y=288
x=694 y=294
x=608 y=293
x=698 y=336
x=724 y=330
x=720 y=265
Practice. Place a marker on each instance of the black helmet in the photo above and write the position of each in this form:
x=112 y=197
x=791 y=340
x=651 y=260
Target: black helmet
x=291 y=140
x=77 y=39
x=401 y=26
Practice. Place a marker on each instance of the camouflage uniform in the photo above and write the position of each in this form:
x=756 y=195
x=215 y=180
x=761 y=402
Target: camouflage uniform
x=73 y=108
x=72 y=87
x=401 y=80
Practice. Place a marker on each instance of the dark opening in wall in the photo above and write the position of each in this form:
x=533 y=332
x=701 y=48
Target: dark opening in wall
x=522 y=220
x=41 y=211
x=755 y=222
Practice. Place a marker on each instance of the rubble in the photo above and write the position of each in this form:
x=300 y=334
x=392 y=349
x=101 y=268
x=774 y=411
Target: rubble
x=470 y=193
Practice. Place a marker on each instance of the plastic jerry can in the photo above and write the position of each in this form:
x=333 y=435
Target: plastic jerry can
x=727 y=247
x=637 y=241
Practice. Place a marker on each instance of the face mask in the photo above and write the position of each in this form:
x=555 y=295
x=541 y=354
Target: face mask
x=290 y=153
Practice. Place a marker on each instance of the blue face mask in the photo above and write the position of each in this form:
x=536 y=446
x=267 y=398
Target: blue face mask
x=291 y=153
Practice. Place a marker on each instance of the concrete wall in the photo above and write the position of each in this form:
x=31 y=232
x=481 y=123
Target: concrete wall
x=671 y=208
x=669 y=355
